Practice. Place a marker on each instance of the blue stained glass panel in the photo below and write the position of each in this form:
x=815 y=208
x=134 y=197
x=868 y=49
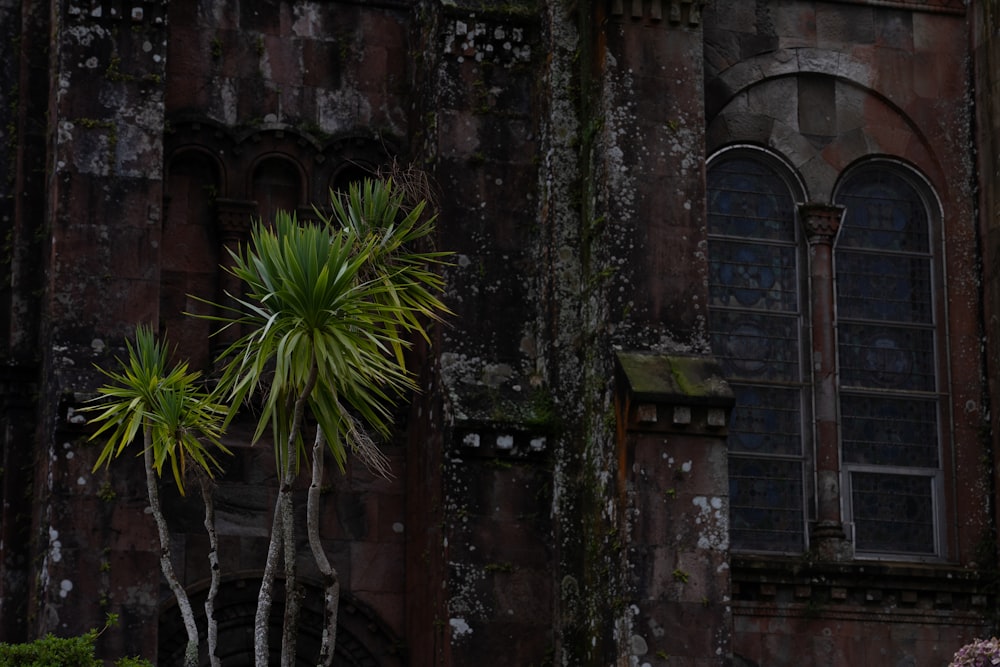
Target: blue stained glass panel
x=756 y=346
x=755 y=331
x=747 y=199
x=752 y=275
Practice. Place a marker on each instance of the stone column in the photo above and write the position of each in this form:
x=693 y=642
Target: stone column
x=822 y=221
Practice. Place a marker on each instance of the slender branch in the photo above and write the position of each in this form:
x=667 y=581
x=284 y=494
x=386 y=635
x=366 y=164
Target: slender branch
x=283 y=535
x=213 y=562
x=331 y=582
x=152 y=488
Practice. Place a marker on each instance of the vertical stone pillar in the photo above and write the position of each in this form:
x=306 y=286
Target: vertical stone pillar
x=822 y=221
x=672 y=414
x=648 y=166
x=94 y=545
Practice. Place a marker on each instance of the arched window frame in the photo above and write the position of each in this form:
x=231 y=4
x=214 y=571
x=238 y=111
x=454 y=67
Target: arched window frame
x=256 y=182
x=746 y=533
x=936 y=362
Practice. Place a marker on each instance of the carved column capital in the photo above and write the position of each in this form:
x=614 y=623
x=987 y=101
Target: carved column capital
x=233 y=217
x=821 y=221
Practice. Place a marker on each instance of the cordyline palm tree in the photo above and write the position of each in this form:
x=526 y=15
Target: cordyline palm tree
x=328 y=312
x=180 y=425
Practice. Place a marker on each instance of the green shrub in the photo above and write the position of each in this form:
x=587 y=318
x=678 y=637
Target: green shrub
x=52 y=651
x=133 y=662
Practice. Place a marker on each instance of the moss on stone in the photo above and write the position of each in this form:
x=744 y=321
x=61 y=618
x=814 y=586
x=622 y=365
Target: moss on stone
x=674 y=378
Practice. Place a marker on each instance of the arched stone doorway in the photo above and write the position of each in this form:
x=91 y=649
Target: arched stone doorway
x=363 y=640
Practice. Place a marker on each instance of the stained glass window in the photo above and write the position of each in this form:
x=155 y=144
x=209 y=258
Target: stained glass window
x=886 y=344
x=893 y=513
x=755 y=326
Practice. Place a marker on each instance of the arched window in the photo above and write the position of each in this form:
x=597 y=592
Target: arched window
x=889 y=401
x=277 y=185
x=755 y=323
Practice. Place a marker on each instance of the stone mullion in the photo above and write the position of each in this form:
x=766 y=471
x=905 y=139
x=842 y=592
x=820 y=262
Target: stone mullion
x=821 y=222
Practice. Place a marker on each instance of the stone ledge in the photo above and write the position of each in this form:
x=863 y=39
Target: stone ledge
x=932 y=6
x=879 y=591
x=672 y=393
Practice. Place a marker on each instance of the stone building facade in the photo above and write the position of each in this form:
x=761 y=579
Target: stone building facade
x=720 y=383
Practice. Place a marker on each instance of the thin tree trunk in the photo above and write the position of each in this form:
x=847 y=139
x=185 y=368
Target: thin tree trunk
x=331 y=582
x=183 y=603
x=282 y=534
x=261 y=623
x=289 y=627
x=213 y=562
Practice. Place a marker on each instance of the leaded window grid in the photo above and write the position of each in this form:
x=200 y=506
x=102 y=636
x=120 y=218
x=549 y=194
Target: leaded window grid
x=876 y=537
x=934 y=478
x=761 y=518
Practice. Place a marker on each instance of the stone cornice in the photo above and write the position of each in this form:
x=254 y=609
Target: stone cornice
x=933 y=6
x=875 y=591
x=673 y=12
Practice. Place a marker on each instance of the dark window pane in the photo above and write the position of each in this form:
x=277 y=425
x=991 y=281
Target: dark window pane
x=889 y=431
x=884 y=212
x=888 y=369
x=893 y=513
x=766 y=420
x=765 y=504
x=755 y=346
x=884 y=287
x=886 y=357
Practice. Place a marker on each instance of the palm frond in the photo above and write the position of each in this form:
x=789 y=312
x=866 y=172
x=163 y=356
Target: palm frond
x=339 y=298
x=144 y=395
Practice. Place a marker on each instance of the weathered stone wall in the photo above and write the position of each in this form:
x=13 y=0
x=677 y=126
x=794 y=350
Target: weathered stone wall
x=674 y=413
x=567 y=143
x=986 y=57
x=94 y=545
x=645 y=241
x=481 y=123
x=649 y=175
x=786 y=612
x=323 y=69
x=23 y=78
